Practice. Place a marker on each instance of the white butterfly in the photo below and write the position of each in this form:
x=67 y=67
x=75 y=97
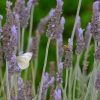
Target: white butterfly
x=23 y=60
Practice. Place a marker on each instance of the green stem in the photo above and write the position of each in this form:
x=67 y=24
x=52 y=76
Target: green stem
x=94 y=75
x=31 y=25
x=66 y=81
x=36 y=66
x=72 y=36
x=88 y=88
x=36 y=60
x=12 y=81
x=44 y=67
x=30 y=33
x=89 y=84
x=77 y=14
x=75 y=75
x=26 y=73
x=85 y=67
x=15 y=83
x=7 y=82
x=70 y=84
x=2 y=82
x=33 y=79
x=86 y=54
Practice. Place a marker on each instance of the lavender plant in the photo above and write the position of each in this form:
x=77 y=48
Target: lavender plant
x=17 y=84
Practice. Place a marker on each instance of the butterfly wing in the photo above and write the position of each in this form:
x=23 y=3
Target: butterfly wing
x=23 y=60
x=28 y=55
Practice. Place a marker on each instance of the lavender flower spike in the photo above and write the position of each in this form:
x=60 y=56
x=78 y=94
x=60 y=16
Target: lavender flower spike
x=51 y=12
x=60 y=48
x=68 y=57
x=46 y=77
x=8 y=4
x=70 y=43
x=79 y=21
x=80 y=31
x=80 y=45
x=62 y=22
x=42 y=25
x=78 y=25
x=51 y=81
x=53 y=26
x=12 y=65
x=57 y=94
x=47 y=82
x=87 y=34
x=29 y=4
x=21 y=90
x=95 y=22
x=97 y=54
x=59 y=73
x=60 y=2
x=97 y=82
x=96 y=5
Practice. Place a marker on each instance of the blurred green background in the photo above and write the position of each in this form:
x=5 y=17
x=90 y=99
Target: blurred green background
x=69 y=12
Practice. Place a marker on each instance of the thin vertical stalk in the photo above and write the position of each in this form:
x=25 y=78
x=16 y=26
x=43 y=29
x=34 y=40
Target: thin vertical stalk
x=15 y=83
x=66 y=81
x=88 y=88
x=30 y=33
x=44 y=67
x=36 y=61
x=35 y=65
x=96 y=95
x=35 y=69
x=22 y=42
x=7 y=82
x=12 y=81
x=26 y=73
x=94 y=75
x=0 y=76
x=86 y=54
x=2 y=83
x=76 y=69
x=85 y=61
x=72 y=36
x=70 y=84
x=89 y=84
x=77 y=14
x=33 y=79
x=31 y=25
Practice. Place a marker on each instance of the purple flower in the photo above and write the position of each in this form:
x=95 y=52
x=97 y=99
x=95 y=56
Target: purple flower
x=62 y=22
x=8 y=4
x=60 y=2
x=1 y=17
x=51 y=13
x=69 y=43
x=80 y=30
x=59 y=73
x=57 y=94
x=13 y=29
x=96 y=5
